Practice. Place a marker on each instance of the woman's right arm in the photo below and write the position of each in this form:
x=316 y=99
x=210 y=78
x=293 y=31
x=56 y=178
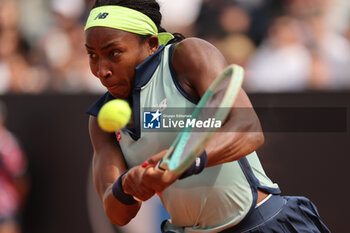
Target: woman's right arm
x=108 y=165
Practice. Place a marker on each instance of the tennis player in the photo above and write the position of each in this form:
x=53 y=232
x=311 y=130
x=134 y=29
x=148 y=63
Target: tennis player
x=226 y=190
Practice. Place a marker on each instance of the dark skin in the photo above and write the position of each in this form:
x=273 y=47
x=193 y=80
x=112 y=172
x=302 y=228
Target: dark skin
x=114 y=54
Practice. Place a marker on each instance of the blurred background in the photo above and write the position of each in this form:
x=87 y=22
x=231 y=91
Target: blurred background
x=296 y=54
x=42 y=42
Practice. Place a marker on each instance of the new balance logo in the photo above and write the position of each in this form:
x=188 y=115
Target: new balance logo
x=102 y=15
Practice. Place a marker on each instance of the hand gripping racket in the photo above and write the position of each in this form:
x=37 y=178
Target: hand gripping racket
x=219 y=98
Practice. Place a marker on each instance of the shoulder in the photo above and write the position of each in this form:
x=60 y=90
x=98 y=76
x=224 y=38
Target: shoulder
x=196 y=52
x=194 y=44
x=197 y=62
x=97 y=105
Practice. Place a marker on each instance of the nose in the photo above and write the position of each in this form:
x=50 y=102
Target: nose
x=103 y=71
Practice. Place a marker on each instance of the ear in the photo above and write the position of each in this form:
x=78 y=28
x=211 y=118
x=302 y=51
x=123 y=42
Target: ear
x=153 y=44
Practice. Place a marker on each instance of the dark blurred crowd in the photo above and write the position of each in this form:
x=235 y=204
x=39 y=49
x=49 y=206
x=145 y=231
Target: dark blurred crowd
x=14 y=179
x=47 y=53
x=284 y=45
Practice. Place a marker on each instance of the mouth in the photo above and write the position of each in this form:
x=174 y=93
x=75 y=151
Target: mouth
x=119 y=90
x=115 y=85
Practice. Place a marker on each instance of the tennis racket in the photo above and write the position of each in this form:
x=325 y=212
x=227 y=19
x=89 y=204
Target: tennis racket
x=219 y=98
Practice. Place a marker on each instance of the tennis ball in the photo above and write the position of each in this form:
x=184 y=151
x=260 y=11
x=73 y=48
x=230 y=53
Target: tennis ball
x=114 y=115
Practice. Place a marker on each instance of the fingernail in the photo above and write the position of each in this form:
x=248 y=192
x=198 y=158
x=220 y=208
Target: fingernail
x=145 y=164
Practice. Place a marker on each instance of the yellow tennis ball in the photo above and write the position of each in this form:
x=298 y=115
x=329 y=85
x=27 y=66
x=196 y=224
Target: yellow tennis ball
x=114 y=115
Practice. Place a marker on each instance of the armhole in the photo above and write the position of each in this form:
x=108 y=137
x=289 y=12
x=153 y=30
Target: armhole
x=176 y=80
x=254 y=182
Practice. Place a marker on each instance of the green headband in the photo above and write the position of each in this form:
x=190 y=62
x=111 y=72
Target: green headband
x=125 y=19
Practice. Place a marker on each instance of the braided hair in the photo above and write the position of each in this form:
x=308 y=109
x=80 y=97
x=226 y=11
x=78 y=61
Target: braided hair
x=148 y=7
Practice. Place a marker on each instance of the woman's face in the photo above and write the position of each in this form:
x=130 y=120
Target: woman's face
x=113 y=56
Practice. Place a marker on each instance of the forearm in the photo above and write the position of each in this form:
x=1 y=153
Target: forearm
x=240 y=136
x=107 y=165
x=228 y=147
x=118 y=213
x=105 y=173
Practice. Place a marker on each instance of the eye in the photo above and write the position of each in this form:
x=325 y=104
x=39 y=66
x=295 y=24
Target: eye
x=92 y=55
x=115 y=52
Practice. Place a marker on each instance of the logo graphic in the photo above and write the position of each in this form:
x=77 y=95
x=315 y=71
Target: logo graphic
x=151 y=120
x=102 y=15
x=161 y=106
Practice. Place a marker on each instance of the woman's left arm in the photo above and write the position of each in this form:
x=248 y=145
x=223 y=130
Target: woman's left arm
x=197 y=63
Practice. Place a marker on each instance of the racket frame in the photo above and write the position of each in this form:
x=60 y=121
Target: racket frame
x=171 y=160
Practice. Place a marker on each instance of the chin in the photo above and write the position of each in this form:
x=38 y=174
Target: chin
x=119 y=94
x=120 y=90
